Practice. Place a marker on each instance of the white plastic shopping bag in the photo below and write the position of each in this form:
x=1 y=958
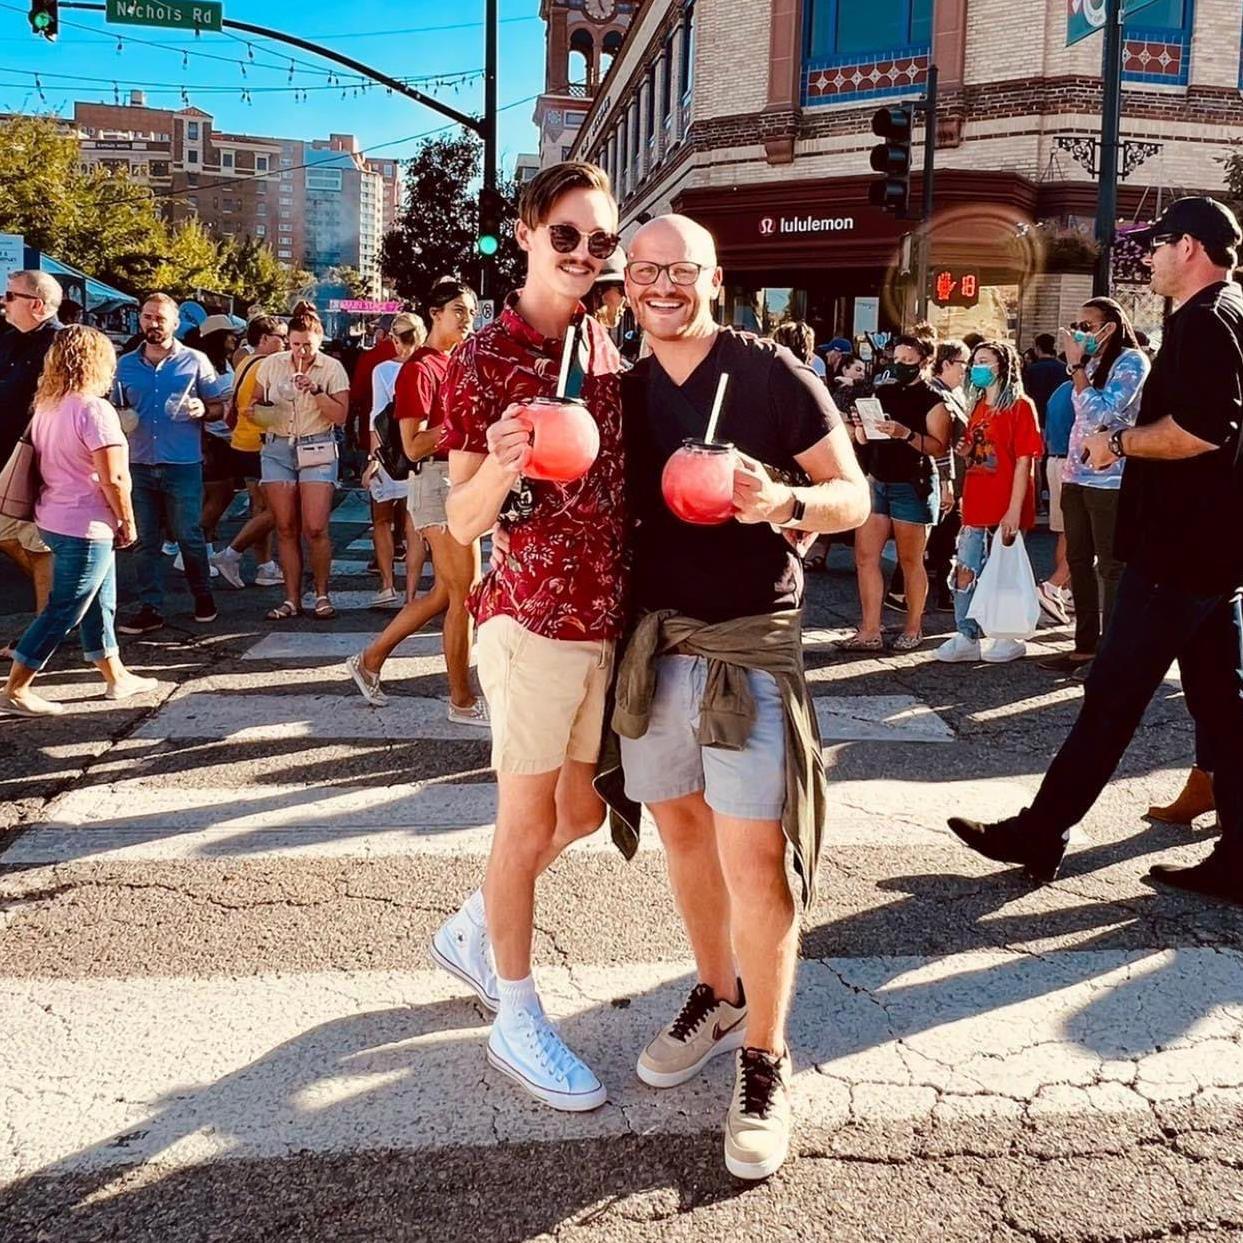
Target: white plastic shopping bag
x=1005 y=603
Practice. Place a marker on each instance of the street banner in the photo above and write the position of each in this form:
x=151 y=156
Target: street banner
x=1086 y=17
x=364 y=306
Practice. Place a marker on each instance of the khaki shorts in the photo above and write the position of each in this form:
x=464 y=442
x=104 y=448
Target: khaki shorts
x=1053 y=474
x=425 y=501
x=24 y=533
x=545 y=696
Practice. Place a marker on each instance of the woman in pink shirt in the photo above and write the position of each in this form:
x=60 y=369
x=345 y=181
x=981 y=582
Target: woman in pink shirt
x=83 y=513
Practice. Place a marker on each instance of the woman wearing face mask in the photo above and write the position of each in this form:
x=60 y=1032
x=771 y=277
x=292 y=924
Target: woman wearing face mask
x=311 y=395
x=906 y=494
x=999 y=447
x=420 y=412
x=1108 y=371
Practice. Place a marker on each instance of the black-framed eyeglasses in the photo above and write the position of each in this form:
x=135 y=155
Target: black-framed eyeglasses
x=1162 y=239
x=565 y=239
x=684 y=272
x=11 y=295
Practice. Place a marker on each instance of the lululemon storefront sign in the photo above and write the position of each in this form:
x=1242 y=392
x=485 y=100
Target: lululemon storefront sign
x=776 y=226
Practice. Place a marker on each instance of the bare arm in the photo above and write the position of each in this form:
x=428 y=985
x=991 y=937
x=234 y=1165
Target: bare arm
x=417 y=441
x=838 y=500
x=1164 y=441
x=334 y=406
x=112 y=465
x=478 y=486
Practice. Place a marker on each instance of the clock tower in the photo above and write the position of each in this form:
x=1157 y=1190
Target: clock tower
x=582 y=38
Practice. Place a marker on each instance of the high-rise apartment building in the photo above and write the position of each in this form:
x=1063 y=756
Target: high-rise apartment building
x=317 y=205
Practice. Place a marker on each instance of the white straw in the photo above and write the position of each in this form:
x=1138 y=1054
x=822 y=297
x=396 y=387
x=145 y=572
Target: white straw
x=717 y=403
x=566 y=355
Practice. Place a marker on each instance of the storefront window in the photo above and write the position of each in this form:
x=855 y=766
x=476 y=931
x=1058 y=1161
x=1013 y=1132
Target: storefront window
x=688 y=51
x=848 y=28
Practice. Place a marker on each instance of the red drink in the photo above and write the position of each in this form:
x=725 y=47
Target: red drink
x=698 y=483
x=565 y=440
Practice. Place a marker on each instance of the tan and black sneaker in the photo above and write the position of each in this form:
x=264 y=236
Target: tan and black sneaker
x=705 y=1027
x=757 y=1127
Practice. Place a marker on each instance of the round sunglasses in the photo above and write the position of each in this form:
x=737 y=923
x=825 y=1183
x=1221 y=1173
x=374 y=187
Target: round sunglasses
x=565 y=239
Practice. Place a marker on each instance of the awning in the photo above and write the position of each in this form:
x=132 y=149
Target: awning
x=97 y=292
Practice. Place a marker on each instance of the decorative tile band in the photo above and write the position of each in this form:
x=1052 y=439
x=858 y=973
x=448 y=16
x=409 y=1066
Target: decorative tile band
x=1153 y=57
x=890 y=73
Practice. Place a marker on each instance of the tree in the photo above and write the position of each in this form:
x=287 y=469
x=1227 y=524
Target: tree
x=355 y=284
x=190 y=263
x=254 y=274
x=436 y=232
x=1233 y=164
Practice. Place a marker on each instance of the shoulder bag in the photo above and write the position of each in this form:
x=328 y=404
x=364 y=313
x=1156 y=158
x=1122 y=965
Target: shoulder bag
x=20 y=481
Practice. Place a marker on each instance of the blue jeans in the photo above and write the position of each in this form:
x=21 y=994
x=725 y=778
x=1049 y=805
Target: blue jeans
x=84 y=593
x=971 y=554
x=1151 y=627
x=173 y=490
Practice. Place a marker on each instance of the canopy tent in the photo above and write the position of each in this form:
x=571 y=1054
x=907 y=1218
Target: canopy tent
x=98 y=294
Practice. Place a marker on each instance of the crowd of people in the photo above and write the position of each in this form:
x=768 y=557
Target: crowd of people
x=630 y=657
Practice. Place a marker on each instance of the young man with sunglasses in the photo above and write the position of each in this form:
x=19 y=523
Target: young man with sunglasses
x=718 y=730
x=1181 y=594
x=548 y=615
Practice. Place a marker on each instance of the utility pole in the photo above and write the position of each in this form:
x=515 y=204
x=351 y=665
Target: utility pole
x=487 y=270
x=1111 y=126
x=930 y=158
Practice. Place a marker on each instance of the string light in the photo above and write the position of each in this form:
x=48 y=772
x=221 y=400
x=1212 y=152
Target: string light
x=39 y=88
x=185 y=60
x=250 y=52
x=120 y=46
x=241 y=64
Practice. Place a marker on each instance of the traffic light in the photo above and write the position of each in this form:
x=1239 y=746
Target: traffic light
x=491 y=205
x=892 y=159
x=44 y=19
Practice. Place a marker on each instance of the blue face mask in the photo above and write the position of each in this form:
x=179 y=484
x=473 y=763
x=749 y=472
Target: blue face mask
x=1087 y=340
x=982 y=375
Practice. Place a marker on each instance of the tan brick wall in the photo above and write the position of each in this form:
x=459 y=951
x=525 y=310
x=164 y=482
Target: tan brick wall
x=1215 y=43
x=731 y=55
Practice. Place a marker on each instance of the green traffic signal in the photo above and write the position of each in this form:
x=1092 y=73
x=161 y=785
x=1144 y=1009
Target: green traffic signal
x=488 y=244
x=44 y=19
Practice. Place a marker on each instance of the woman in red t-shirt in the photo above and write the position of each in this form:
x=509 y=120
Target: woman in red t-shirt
x=1001 y=445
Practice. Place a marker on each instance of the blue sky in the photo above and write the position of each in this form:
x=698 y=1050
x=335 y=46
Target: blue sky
x=417 y=39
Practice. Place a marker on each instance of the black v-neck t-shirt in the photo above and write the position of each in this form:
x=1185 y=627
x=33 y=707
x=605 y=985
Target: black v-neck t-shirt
x=775 y=408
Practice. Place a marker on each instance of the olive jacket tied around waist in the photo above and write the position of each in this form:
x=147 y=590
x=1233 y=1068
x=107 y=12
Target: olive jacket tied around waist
x=769 y=643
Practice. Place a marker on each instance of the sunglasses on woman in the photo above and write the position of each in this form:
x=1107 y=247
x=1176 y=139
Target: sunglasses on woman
x=565 y=239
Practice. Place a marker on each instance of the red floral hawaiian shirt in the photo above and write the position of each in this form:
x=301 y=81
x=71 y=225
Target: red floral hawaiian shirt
x=563 y=578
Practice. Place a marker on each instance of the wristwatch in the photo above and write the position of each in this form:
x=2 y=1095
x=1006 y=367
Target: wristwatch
x=1115 y=443
x=797 y=513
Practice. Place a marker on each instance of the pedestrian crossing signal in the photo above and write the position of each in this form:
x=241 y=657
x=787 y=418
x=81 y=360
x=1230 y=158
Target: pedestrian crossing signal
x=953 y=287
x=44 y=19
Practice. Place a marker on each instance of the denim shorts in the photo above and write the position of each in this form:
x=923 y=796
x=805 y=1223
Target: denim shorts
x=903 y=502
x=278 y=460
x=668 y=762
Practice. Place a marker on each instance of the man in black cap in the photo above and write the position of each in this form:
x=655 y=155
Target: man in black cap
x=1180 y=531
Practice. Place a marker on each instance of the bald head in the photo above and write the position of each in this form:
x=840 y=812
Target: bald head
x=669 y=238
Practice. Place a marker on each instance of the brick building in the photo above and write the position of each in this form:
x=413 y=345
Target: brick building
x=317 y=205
x=755 y=118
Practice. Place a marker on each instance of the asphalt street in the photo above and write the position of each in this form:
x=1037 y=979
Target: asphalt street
x=220 y=1021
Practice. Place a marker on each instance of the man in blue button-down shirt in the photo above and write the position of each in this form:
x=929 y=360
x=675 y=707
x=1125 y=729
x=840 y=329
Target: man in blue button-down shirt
x=171 y=388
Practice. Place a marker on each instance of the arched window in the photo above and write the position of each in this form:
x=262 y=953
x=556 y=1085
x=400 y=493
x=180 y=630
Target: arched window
x=582 y=58
x=609 y=49
x=1158 y=43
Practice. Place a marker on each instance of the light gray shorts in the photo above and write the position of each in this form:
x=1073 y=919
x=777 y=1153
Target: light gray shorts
x=428 y=489
x=668 y=763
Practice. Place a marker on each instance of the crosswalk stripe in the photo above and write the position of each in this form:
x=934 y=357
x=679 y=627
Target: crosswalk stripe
x=198 y=713
x=336 y=1062
x=133 y=820
x=334 y=645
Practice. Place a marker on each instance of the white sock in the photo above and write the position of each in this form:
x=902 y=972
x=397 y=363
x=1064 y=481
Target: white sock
x=517 y=996
x=473 y=906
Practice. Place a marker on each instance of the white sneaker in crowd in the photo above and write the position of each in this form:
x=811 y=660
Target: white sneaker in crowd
x=529 y=1049
x=476 y=714
x=170 y=548
x=958 y=648
x=461 y=948
x=130 y=686
x=179 y=562
x=387 y=598
x=1053 y=602
x=229 y=565
x=269 y=575
x=1002 y=651
x=368 y=683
